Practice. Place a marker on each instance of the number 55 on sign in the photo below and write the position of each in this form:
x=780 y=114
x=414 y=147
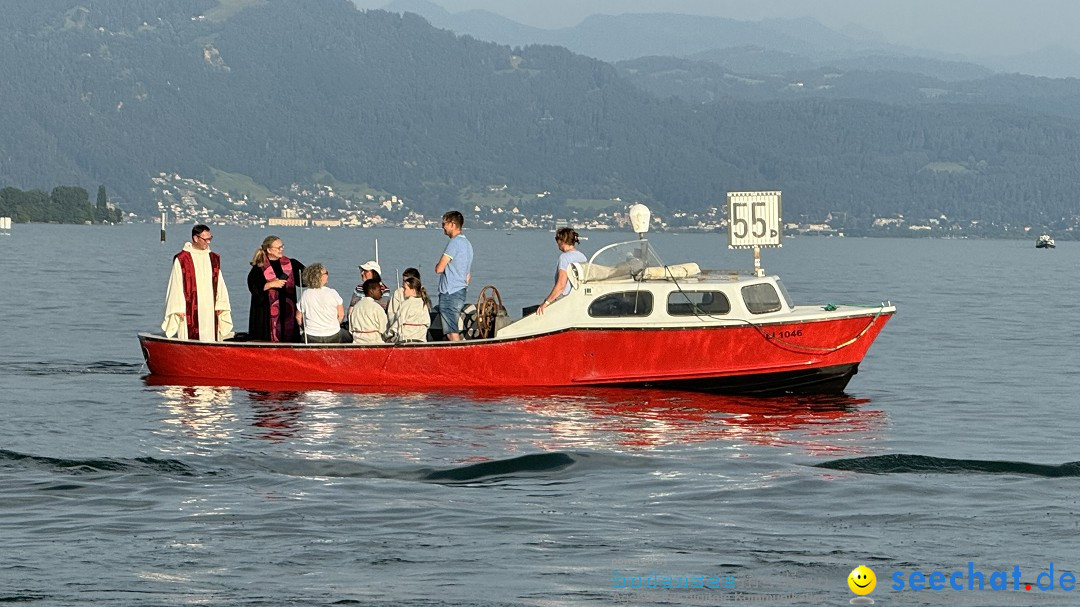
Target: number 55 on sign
x=753 y=220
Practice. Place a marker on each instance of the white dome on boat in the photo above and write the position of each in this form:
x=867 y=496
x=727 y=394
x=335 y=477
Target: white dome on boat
x=639 y=218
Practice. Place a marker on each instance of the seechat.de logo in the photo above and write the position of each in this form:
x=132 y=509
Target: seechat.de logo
x=862 y=581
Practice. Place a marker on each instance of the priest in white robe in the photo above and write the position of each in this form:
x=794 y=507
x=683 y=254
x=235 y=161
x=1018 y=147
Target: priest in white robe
x=197 y=300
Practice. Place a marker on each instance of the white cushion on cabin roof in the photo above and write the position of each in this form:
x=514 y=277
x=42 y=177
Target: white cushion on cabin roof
x=679 y=270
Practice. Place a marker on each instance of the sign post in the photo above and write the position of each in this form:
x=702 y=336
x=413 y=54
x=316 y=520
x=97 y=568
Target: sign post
x=754 y=223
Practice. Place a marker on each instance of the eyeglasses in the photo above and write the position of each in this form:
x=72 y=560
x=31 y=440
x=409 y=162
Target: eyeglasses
x=204 y=239
x=278 y=248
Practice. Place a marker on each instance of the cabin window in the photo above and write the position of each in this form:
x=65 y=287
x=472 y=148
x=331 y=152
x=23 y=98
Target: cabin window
x=693 y=303
x=627 y=303
x=783 y=293
x=761 y=298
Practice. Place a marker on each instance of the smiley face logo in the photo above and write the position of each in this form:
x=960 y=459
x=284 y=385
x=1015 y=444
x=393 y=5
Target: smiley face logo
x=862 y=580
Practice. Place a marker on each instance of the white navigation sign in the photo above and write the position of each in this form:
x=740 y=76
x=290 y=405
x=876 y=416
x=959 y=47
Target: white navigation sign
x=753 y=220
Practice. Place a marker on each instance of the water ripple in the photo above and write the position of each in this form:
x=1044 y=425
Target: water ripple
x=549 y=465
x=69 y=367
x=97 y=465
x=903 y=463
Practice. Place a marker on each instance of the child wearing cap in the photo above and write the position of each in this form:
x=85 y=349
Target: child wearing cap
x=369 y=270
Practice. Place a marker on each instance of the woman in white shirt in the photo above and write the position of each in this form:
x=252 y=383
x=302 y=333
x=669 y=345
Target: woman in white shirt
x=413 y=315
x=321 y=309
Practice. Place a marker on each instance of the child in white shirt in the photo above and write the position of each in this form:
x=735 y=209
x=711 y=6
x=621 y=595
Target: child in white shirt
x=367 y=319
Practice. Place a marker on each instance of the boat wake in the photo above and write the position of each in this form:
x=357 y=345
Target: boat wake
x=901 y=463
x=140 y=465
x=533 y=464
x=69 y=367
x=550 y=466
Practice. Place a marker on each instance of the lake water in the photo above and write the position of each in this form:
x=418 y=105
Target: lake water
x=956 y=443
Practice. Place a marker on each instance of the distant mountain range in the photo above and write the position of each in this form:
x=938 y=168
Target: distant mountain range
x=804 y=40
x=272 y=92
x=726 y=75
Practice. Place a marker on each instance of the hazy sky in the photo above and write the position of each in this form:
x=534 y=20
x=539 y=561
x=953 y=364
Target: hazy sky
x=972 y=27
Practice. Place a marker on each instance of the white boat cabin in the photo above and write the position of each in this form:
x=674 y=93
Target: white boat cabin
x=625 y=285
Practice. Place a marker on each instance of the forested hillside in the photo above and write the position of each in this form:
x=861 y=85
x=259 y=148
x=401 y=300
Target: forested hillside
x=116 y=91
x=746 y=74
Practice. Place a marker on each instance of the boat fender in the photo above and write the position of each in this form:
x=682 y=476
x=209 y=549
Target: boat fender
x=576 y=274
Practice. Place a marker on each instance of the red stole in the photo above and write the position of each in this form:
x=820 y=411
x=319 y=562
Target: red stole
x=191 y=290
x=282 y=307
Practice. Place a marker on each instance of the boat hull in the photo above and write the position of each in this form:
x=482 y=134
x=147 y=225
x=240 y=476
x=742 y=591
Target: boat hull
x=794 y=357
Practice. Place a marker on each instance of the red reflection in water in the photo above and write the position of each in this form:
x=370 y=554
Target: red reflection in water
x=277 y=413
x=821 y=425
x=624 y=417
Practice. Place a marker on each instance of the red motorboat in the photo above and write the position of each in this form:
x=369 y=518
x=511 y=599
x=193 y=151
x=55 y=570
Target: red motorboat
x=629 y=320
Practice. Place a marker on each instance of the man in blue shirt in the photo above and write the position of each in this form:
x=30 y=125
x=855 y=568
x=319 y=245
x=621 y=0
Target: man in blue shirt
x=454 y=269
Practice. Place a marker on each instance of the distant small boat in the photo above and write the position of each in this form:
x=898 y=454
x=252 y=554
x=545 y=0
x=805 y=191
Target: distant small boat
x=1044 y=242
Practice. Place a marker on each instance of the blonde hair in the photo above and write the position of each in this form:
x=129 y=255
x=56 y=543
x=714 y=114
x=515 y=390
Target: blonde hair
x=312 y=276
x=259 y=259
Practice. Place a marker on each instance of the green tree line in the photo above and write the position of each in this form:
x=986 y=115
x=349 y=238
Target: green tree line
x=64 y=204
